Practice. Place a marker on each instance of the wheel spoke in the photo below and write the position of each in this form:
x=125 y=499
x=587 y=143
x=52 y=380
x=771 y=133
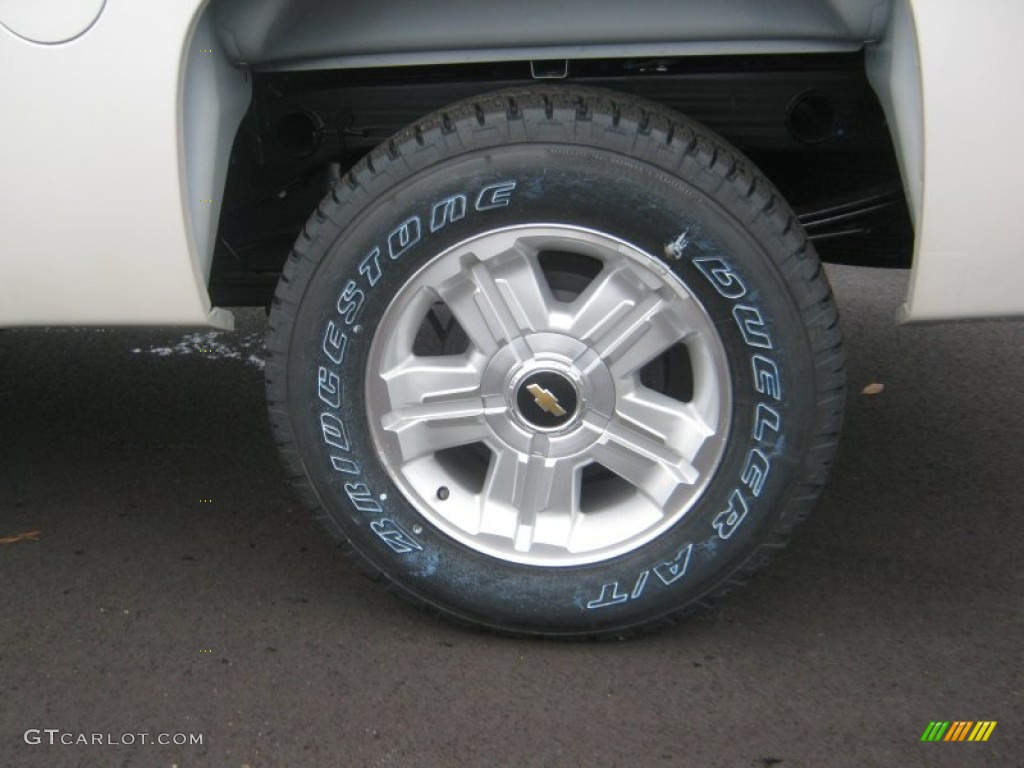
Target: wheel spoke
x=680 y=425
x=503 y=486
x=419 y=380
x=520 y=491
x=432 y=427
x=612 y=293
x=628 y=324
x=655 y=469
x=500 y=299
x=550 y=486
x=524 y=290
x=650 y=328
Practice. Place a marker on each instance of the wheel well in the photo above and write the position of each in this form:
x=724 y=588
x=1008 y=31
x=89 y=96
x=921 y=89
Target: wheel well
x=811 y=122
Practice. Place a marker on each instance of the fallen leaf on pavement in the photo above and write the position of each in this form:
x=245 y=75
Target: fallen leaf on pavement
x=27 y=536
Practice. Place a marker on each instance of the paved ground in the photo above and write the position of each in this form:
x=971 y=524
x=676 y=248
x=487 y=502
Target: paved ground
x=176 y=587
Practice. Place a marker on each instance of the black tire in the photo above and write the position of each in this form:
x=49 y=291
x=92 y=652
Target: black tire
x=608 y=163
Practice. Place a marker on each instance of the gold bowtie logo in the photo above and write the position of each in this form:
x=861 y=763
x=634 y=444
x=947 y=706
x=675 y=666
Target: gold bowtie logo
x=545 y=400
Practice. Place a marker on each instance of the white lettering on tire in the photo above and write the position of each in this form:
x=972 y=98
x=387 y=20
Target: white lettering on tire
x=767 y=423
x=335 y=435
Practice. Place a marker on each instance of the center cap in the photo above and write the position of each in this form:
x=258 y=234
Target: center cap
x=547 y=400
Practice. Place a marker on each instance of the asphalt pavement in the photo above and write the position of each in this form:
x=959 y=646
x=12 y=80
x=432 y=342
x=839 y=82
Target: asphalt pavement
x=160 y=583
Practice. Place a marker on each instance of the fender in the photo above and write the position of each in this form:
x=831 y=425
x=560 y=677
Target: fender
x=945 y=72
x=111 y=174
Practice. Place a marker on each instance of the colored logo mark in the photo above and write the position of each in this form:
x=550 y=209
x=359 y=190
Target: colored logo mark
x=546 y=400
x=959 y=730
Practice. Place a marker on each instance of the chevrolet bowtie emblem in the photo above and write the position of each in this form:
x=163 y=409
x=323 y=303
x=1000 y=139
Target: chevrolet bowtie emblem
x=545 y=400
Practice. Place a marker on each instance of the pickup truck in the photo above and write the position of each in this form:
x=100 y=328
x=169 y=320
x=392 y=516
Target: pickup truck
x=551 y=348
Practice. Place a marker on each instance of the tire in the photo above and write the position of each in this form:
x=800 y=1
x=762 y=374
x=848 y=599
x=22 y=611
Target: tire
x=556 y=362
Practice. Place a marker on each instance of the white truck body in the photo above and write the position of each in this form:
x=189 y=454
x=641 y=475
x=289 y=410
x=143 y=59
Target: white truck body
x=119 y=118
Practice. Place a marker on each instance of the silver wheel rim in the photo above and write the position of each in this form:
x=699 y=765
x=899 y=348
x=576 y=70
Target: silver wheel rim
x=537 y=441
